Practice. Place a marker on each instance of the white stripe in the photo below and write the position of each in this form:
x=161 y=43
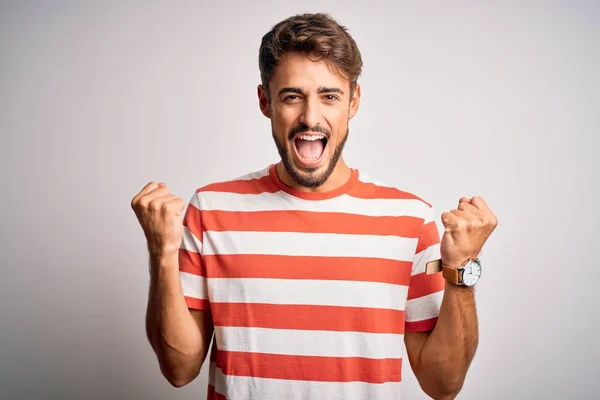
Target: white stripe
x=310 y=342
x=190 y=242
x=429 y=254
x=243 y=387
x=253 y=175
x=341 y=204
x=193 y=285
x=425 y=307
x=368 y=178
x=195 y=201
x=309 y=244
x=307 y=291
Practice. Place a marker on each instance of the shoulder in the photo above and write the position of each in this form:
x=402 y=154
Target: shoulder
x=255 y=182
x=407 y=202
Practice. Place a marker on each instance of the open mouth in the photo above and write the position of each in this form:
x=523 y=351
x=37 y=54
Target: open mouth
x=310 y=147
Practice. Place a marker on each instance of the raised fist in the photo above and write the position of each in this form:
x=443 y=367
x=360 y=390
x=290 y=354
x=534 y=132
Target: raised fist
x=160 y=215
x=466 y=230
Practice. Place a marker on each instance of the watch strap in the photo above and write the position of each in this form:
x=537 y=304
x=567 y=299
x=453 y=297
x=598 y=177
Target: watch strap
x=451 y=274
x=433 y=267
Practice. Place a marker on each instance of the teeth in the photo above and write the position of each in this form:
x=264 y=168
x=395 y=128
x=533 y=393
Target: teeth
x=311 y=137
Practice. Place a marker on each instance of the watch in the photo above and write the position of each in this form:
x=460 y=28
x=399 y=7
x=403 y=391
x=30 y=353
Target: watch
x=467 y=274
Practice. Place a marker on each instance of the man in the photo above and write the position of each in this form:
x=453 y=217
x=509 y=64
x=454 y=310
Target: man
x=311 y=275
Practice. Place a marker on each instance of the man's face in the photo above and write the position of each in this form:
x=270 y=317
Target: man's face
x=309 y=110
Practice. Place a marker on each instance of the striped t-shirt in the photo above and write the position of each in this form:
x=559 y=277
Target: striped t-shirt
x=309 y=293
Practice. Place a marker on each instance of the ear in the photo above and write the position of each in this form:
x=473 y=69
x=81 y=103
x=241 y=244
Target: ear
x=354 y=102
x=263 y=101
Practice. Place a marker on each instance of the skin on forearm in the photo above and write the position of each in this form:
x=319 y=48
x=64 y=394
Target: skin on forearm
x=171 y=329
x=449 y=349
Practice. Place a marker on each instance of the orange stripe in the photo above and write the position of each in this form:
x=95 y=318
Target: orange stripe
x=193 y=221
x=191 y=262
x=197 y=304
x=311 y=368
x=308 y=317
x=365 y=190
x=308 y=267
x=425 y=325
x=428 y=237
x=241 y=186
x=307 y=221
x=423 y=285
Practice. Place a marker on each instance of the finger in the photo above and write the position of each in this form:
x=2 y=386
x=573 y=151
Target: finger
x=463 y=218
x=461 y=214
x=153 y=195
x=162 y=185
x=480 y=203
x=447 y=218
x=464 y=199
x=468 y=208
x=150 y=186
x=161 y=204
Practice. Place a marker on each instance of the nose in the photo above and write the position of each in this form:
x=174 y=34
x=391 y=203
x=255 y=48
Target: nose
x=311 y=113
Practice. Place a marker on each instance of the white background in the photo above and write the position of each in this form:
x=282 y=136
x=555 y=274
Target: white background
x=498 y=99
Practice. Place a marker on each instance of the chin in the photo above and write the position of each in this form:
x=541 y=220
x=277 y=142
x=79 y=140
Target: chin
x=310 y=157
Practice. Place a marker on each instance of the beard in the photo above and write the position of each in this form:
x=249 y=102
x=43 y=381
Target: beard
x=310 y=178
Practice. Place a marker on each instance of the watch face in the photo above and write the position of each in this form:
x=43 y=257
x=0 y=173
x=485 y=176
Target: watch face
x=471 y=273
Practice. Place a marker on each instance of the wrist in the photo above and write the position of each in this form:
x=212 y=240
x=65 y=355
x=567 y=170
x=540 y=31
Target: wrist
x=457 y=262
x=458 y=289
x=164 y=259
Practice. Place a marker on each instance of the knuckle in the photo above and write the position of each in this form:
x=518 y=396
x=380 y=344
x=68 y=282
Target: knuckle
x=164 y=207
x=144 y=203
x=462 y=224
x=154 y=205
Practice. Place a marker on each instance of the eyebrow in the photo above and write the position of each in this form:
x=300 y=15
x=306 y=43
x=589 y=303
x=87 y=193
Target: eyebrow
x=321 y=90
x=331 y=90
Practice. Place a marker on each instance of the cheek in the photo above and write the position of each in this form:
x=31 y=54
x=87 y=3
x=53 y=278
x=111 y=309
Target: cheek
x=340 y=126
x=283 y=120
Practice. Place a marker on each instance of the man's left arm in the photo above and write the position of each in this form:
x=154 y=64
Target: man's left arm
x=440 y=358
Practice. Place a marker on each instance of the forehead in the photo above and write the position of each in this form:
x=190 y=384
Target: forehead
x=297 y=70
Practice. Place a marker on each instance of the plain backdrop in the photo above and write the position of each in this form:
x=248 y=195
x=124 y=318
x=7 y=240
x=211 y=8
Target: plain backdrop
x=498 y=99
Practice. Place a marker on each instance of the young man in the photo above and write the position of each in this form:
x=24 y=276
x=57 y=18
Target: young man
x=311 y=275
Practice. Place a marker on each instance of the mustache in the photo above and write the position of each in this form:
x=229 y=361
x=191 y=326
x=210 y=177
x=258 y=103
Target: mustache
x=304 y=128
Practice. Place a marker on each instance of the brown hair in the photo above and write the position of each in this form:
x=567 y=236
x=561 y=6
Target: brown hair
x=318 y=36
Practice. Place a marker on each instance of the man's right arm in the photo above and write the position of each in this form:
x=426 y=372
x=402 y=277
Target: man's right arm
x=179 y=336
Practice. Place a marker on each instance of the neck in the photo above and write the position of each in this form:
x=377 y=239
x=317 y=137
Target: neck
x=340 y=175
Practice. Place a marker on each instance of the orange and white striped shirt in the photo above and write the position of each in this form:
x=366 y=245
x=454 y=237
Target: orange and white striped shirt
x=310 y=293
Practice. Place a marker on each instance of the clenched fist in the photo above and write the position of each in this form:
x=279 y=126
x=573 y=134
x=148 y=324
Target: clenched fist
x=466 y=230
x=160 y=215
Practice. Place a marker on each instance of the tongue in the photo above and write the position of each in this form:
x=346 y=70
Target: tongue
x=311 y=149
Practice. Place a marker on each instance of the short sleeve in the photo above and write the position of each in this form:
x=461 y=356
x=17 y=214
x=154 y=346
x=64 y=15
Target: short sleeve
x=192 y=272
x=425 y=291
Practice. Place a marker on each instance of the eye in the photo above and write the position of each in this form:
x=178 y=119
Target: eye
x=331 y=97
x=291 y=98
